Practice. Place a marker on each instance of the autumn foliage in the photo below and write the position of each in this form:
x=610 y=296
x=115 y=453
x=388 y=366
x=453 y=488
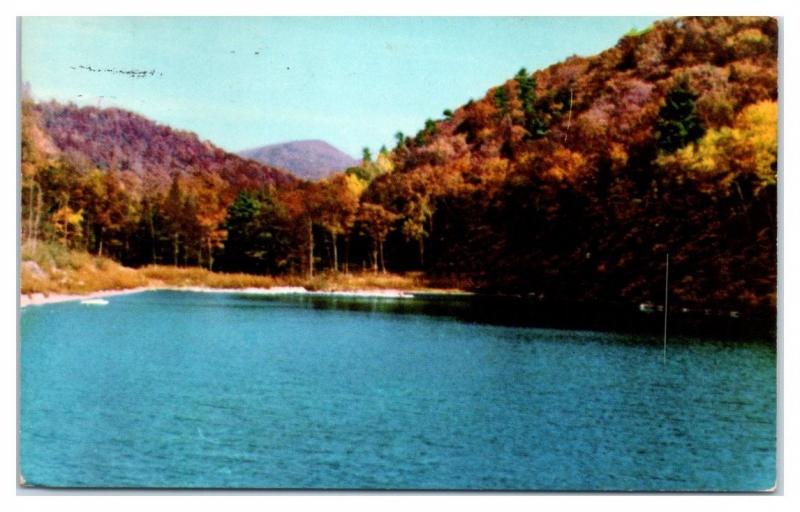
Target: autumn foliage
x=567 y=184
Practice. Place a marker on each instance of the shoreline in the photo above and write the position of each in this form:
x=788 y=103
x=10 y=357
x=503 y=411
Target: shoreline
x=41 y=299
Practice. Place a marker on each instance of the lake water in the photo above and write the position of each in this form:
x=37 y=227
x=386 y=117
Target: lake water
x=181 y=389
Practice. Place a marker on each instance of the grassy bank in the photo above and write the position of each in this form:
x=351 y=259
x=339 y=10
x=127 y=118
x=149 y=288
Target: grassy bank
x=49 y=268
x=328 y=281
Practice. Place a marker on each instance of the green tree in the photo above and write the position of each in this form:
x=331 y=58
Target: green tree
x=501 y=101
x=256 y=228
x=428 y=131
x=241 y=251
x=173 y=213
x=533 y=120
x=678 y=123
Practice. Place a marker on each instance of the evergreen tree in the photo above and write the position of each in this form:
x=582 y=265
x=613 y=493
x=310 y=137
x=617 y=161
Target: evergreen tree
x=678 y=123
x=527 y=90
x=501 y=101
x=534 y=123
x=241 y=224
x=401 y=139
x=257 y=241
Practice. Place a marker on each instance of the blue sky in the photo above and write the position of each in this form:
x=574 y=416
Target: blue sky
x=353 y=82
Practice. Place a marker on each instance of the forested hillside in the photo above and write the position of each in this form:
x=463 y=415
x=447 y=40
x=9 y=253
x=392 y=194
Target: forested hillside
x=568 y=184
x=574 y=182
x=123 y=141
x=115 y=183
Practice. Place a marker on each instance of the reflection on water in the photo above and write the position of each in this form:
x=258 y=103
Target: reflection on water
x=173 y=389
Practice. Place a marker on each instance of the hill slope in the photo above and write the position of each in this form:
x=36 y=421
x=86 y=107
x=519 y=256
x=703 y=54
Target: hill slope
x=306 y=159
x=115 y=183
x=572 y=183
x=117 y=139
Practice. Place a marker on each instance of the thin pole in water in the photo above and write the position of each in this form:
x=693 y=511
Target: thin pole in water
x=666 y=307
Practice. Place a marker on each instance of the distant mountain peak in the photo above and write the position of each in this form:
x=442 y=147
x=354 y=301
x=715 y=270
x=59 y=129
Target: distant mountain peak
x=310 y=159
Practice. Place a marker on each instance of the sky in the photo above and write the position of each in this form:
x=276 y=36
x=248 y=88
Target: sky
x=246 y=82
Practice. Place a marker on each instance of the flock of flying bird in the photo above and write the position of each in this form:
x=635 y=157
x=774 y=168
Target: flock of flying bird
x=133 y=73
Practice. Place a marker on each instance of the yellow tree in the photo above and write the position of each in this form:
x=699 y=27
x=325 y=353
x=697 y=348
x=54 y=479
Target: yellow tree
x=66 y=221
x=725 y=157
x=210 y=213
x=345 y=191
x=376 y=222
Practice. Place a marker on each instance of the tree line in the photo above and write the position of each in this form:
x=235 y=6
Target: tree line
x=570 y=183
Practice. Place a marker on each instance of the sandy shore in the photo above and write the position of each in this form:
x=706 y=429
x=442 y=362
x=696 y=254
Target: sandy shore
x=38 y=299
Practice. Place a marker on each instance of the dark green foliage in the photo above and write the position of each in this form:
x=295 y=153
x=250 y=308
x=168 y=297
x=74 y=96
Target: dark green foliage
x=678 y=123
x=257 y=240
x=527 y=90
x=533 y=123
x=501 y=101
x=361 y=173
x=424 y=136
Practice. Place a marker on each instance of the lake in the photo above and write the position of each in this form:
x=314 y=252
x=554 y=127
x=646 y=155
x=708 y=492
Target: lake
x=186 y=389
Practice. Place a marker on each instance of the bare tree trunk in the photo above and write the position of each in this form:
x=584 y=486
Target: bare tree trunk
x=422 y=251
x=29 y=234
x=100 y=233
x=152 y=234
x=310 y=249
x=430 y=235
x=335 y=254
x=38 y=214
x=210 y=257
x=175 y=249
x=375 y=256
x=346 y=254
x=383 y=265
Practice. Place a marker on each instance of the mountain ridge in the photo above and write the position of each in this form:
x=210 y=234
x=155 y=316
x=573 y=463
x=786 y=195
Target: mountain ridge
x=123 y=140
x=308 y=159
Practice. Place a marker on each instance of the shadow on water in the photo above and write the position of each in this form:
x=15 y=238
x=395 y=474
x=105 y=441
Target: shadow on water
x=523 y=312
